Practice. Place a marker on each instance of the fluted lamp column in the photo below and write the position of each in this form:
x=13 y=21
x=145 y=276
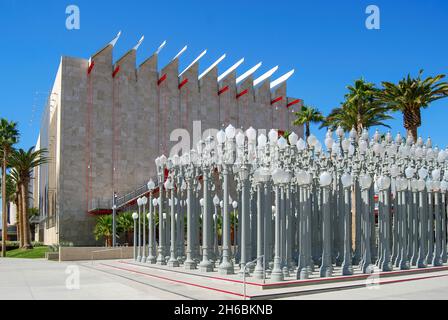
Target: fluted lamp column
x=151 y=258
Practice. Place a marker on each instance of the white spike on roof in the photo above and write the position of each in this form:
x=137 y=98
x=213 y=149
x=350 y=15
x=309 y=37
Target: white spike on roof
x=114 y=41
x=139 y=43
x=282 y=79
x=212 y=66
x=231 y=69
x=265 y=76
x=180 y=52
x=194 y=61
x=161 y=47
x=248 y=73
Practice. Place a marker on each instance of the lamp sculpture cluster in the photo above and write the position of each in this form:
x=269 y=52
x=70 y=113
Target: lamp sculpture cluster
x=299 y=209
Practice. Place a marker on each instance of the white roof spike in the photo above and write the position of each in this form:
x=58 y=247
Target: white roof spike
x=161 y=47
x=248 y=73
x=282 y=79
x=194 y=61
x=114 y=41
x=231 y=69
x=265 y=76
x=180 y=52
x=212 y=66
x=139 y=43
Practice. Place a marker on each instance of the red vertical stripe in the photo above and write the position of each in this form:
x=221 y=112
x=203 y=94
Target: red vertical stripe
x=183 y=83
x=293 y=103
x=239 y=95
x=276 y=100
x=163 y=78
x=117 y=69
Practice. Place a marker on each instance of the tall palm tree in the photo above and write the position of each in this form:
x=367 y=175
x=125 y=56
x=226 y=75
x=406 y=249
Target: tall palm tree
x=412 y=94
x=361 y=109
x=306 y=116
x=24 y=162
x=16 y=198
x=9 y=136
x=12 y=197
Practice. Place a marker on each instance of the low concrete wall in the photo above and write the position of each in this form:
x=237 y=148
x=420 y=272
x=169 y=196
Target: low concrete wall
x=95 y=253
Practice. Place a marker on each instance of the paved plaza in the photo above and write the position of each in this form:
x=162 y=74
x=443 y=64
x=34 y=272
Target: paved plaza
x=123 y=279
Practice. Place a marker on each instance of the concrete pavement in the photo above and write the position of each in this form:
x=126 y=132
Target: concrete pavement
x=123 y=279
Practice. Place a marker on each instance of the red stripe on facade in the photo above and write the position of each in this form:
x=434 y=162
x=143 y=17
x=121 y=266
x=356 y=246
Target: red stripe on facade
x=293 y=103
x=163 y=78
x=239 y=95
x=117 y=69
x=226 y=88
x=183 y=83
x=276 y=100
x=90 y=68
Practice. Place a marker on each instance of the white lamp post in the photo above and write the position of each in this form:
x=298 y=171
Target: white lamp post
x=151 y=257
x=135 y=217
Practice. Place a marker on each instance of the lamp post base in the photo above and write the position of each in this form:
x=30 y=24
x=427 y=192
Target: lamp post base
x=173 y=263
x=285 y=271
x=244 y=272
x=151 y=260
x=189 y=265
x=302 y=273
x=404 y=265
x=277 y=275
x=437 y=262
x=386 y=266
x=206 y=266
x=226 y=268
x=347 y=270
x=326 y=272
x=160 y=260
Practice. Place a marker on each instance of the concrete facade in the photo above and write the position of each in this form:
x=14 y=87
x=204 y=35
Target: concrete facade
x=106 y=122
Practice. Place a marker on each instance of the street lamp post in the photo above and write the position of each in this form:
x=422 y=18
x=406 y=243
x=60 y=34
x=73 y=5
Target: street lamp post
x=151 y=258
x=347 y=268
x=139 y=257
x=135 y=217
x=160 y=163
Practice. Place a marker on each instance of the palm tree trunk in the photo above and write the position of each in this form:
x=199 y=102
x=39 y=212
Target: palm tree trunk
x=26 y=223
x=4 y=218
x=308 y=132
x=412 y=132
x=412 y=119
x=19 y=213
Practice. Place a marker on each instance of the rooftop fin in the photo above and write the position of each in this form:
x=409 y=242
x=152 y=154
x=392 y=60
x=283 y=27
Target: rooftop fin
x=265 y=76
x=282 y=79
x=248 y=73
x=231 y=69
x=194 y=61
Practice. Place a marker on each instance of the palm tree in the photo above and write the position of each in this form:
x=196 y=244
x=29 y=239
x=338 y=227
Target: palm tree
x=412 y=94
x=125 y=224
x=24 y=162
x=9 y=136
x=361 y=109
x=12 y=196
x=103 y=229
x=306 y=116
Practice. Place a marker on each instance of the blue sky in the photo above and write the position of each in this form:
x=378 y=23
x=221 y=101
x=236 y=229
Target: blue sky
x=325 y=41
